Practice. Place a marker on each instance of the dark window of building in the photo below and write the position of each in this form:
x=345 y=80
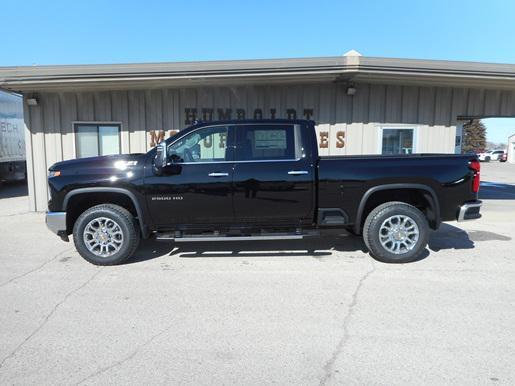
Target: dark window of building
x=261 y=142
x=398 y=141
x=96 y=139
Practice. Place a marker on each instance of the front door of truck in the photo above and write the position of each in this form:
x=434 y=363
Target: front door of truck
x=273 y=177
x=197 y=187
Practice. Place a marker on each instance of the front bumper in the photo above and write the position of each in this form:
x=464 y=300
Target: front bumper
x=469 y=211
x=56 y=222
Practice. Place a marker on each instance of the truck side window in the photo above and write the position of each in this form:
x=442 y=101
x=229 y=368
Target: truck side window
x=208 y=144
x=263 y=142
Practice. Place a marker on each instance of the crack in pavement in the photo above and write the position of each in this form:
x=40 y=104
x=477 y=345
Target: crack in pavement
x=37 y=268
x=47 y=318
x=128 y=357
x=328 y=367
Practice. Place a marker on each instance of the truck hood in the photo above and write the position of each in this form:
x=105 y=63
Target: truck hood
x=117 y=162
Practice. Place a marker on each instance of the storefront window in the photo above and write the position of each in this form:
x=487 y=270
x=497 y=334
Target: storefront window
x=397 y=141
x=93 y=140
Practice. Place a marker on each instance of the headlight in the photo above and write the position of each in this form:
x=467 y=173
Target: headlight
x=54 y=173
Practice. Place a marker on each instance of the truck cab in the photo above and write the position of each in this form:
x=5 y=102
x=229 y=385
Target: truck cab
x=234 y=175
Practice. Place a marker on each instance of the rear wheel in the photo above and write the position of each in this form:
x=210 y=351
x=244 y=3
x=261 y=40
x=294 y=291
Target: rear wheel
x=106 y=234
x=396 y=232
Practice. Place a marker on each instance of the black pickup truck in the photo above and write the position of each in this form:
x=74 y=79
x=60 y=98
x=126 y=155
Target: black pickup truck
x=257 y=180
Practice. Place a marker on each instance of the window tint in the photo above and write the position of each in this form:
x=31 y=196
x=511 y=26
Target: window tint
x=262 y=142
x=93 y=140
x=208 y=144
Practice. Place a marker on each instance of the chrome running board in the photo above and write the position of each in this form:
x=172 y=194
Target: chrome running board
x=211 y=238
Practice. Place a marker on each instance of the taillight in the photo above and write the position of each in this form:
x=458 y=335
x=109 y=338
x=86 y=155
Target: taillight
x=475 y=166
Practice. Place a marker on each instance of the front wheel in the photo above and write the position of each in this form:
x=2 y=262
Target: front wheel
x=106 y=234
x=396 y=232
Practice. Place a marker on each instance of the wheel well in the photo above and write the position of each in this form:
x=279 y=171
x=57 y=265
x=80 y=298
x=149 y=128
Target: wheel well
x=419 y=198
x=79 y=203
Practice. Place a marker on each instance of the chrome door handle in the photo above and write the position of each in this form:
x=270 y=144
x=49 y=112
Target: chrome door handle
x=218 y=174
x=297 y=172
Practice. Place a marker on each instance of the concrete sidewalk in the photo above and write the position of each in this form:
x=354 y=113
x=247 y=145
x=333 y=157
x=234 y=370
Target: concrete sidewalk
x=318 y=312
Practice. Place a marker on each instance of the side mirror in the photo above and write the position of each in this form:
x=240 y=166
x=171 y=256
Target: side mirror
x=160 y=159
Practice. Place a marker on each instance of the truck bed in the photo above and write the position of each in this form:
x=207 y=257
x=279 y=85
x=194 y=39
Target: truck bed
x=344 y=179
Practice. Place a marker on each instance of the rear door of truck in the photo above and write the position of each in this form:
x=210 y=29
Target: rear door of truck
x=273 y=180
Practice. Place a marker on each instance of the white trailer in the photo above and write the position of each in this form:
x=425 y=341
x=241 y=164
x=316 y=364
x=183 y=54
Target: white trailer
x=12 y=137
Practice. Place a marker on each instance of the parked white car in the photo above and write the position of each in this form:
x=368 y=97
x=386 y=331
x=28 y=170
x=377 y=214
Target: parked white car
x=491 y=155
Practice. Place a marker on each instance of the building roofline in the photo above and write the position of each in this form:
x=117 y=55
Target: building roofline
x=345 y=68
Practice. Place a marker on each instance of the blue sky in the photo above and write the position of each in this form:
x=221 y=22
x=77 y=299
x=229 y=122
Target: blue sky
x=499 y=129
x=93 y=31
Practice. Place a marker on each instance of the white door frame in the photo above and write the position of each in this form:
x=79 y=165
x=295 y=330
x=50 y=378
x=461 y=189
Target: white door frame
x=458 y=142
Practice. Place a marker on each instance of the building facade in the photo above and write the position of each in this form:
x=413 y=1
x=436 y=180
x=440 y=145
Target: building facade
x=360 y=105
x=511 y=149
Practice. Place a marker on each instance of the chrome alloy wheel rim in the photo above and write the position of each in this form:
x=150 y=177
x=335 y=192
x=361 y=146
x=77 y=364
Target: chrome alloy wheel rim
x=398 y=234
x=103 y=237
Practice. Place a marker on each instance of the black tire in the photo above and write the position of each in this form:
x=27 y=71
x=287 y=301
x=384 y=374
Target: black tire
x=127 y=225
x=372 y=229
x=487 y=159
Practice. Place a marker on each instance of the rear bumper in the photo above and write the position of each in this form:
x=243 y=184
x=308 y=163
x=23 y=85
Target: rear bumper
x=56 y=222
x=469 y=211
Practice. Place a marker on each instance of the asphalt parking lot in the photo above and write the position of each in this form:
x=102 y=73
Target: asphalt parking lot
x=255 y=313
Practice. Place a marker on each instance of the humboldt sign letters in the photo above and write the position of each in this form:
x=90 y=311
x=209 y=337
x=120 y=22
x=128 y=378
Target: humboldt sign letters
x=193 y=114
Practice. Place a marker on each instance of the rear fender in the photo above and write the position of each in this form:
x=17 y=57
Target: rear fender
x=369 y=192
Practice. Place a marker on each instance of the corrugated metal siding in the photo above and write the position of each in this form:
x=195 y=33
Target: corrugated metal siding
x=433 y=110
